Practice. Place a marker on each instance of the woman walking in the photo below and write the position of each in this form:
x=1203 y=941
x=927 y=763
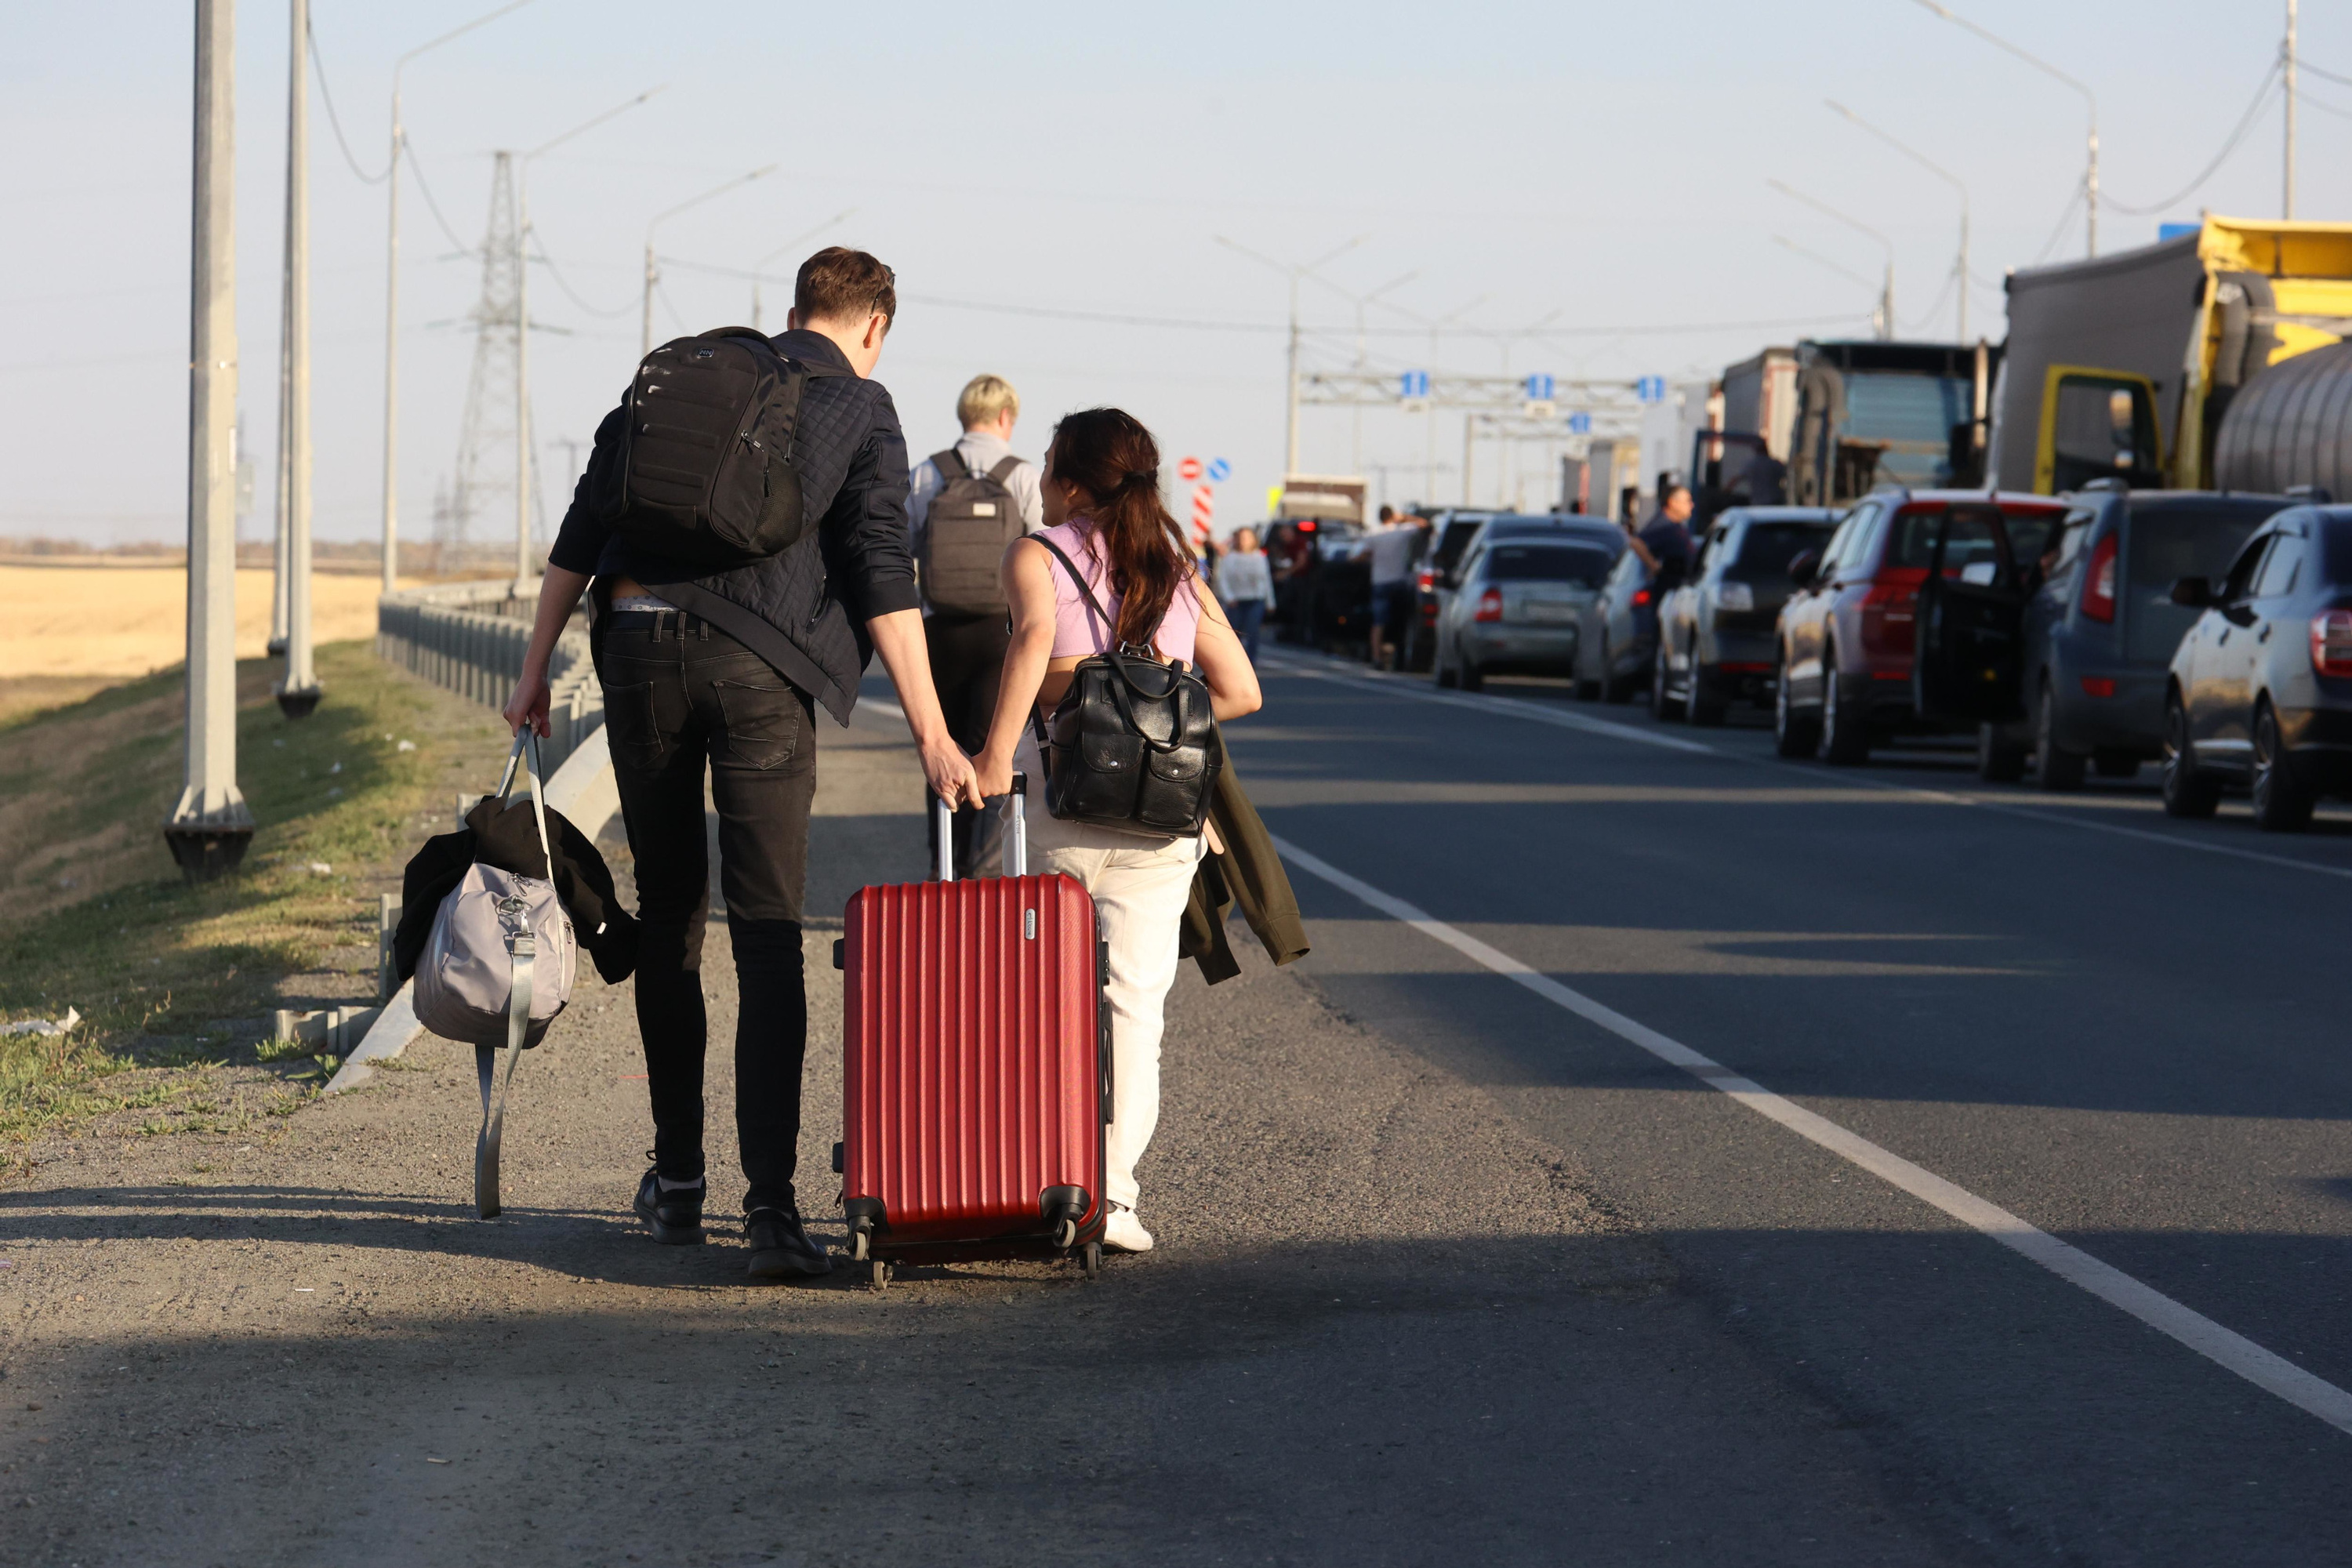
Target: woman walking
x=1246 y=586
x=1103 y=513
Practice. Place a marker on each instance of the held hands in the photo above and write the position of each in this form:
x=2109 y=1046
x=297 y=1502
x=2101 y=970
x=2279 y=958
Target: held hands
x=528 y=704
x=948 y=769
x=993 y=773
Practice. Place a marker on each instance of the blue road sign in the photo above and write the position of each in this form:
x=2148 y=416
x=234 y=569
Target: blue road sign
x=1580 y=424
x=1219 y=470
x=1416 y=384
x=1539 y=388
x=1650 y=389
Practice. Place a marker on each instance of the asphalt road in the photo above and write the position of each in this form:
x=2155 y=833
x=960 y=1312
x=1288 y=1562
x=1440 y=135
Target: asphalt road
x=2123 y=1030
x=1446 y=1270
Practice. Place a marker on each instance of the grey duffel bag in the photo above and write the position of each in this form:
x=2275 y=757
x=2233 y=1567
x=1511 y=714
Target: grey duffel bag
x=495 y=971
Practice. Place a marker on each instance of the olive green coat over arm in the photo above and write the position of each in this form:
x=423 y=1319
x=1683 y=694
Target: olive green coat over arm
x=1247 y=871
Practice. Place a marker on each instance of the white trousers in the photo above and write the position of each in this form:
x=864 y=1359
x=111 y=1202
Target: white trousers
x=1139 y=884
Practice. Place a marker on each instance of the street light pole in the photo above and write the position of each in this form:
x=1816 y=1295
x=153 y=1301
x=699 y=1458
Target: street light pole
x=2288 y=51
x=298 y=687
x=209 y=829
x=1295 y=272
x=523 y=578
x=391 y=298
x=653 y=271
x=2091 y=169
x=1949 y=178
x=1886 y=296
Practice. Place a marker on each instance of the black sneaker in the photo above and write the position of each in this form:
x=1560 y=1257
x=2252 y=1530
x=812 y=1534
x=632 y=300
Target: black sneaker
x=674 y=1216
x=781 y=1246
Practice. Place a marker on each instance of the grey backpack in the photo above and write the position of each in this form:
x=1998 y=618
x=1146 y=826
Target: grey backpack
x=971 y=523
x=497 y=969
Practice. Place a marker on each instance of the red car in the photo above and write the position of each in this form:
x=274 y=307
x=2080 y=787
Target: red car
x=1846 y=635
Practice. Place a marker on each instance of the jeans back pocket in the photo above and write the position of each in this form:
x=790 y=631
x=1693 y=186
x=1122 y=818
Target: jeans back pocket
x=763 y=721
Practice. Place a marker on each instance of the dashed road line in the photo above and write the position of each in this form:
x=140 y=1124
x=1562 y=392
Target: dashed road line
x=2225 y=1347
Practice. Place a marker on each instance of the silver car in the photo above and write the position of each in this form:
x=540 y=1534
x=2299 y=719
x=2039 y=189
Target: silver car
x=1517 y=607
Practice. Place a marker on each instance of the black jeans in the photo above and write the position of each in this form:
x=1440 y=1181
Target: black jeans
x=967 y=664
x=678 y=692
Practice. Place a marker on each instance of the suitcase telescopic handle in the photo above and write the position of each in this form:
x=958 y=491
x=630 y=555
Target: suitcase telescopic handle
x=1016 y=831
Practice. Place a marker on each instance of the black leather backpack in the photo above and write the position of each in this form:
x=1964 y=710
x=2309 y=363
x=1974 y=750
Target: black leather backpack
x=697 y=464
x=1132 y=744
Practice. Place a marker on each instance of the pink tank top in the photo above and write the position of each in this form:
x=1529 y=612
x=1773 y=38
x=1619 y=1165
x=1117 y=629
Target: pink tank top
x=1077 y=633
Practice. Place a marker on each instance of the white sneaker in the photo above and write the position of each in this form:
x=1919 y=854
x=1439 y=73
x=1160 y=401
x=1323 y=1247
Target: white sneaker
x=1122 y=1232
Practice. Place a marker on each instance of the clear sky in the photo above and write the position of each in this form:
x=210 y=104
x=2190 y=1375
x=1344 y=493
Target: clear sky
x=1600 y=166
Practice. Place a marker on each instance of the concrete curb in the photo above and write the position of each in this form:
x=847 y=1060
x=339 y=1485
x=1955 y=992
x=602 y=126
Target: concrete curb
x=583 y=789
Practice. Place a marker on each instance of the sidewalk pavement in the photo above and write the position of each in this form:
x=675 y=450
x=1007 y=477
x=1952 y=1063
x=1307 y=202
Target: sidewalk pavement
x=1382 y=1325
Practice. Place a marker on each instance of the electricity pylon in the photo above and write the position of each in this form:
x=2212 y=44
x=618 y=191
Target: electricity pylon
x=487 y=441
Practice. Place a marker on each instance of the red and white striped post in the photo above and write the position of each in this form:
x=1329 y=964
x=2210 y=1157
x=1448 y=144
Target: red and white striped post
x=1204 y=511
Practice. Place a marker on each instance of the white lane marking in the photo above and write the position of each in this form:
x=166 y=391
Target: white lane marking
x=2223 y=1347
x=1512 y=706
x=1519 y=707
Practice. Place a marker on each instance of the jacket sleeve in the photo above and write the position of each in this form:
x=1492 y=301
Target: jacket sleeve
x=580 y=543
x=867 y=548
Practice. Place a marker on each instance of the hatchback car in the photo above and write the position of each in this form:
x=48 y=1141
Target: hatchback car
x=1843 y=680
x=2260 y=691
x=1517 y=604
x=2066 y=652
x=1715 y=632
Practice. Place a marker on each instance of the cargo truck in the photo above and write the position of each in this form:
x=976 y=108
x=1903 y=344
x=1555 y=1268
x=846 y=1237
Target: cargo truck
x=2212 y=360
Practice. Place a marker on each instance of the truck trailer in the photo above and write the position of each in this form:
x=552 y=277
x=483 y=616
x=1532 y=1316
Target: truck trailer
x=2181 y=364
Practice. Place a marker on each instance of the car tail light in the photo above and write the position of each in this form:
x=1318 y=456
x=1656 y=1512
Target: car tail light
x=1425 y=580
x=2099 y=582
x=2098 y=686
x=1888 y=611
x=1640 y=596
x=2331 y=642
x=1306 y=526
x=1490 y=605
x=1735 y=596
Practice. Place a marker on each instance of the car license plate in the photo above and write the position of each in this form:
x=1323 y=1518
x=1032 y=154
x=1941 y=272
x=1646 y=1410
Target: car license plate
x=1549 y=612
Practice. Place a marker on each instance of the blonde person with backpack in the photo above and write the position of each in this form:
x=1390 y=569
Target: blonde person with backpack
x=965 y=507
x=1104 y=517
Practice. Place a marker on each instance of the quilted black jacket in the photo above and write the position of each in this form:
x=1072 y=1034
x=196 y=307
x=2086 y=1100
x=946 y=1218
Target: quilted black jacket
x=803 y=611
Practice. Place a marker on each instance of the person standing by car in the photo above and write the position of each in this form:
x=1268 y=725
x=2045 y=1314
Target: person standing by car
x=724 y=668
x=1664 y=541
x=1245 y=587
x=1390 y=553
x=964 y=507
x=1103 y=513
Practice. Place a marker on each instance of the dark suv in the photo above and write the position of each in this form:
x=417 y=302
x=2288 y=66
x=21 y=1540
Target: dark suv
x=1715 y=632
x=2260 y=691
x=2062 y=649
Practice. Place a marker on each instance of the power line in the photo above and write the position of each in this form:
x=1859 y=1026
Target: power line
x=2065 y=219
x=333 y=119
x=418 y=170
x=2303 y=64
x=2322 y=105
x=2245 y=123
x=562 y=282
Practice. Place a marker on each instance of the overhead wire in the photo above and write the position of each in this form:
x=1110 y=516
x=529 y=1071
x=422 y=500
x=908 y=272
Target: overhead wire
x=2065 y=221
x=335 y=121
x=418 y=170
x=573 y=294
x=2245 y=123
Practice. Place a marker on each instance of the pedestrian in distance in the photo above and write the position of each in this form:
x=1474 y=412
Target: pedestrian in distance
x=723 y=668
x=1392 y=551
x=1664 y=541
x=965 y=506
x=1103 y=513
x=1245 y=587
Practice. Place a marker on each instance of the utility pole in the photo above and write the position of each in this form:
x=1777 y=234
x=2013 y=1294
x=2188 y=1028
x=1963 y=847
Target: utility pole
x=1294 y=272
x=391 y=298
x=209 y=829
x=1961 y=265
x=2289 y=51
x=298 y=688
x=2091 y=167
x=653 y=267
x=489 y=392
x=1886 y=294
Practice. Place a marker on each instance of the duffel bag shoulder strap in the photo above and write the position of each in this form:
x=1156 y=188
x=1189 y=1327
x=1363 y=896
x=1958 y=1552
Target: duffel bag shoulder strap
x=522 y=948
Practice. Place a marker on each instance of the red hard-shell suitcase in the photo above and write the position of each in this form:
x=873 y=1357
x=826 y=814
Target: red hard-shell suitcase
x=976 y=1078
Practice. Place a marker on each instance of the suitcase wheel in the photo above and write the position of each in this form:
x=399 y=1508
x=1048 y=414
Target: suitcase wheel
x=1091 y=1259
x=857 y=1246
x=881 y=1275
x=1066 y=1234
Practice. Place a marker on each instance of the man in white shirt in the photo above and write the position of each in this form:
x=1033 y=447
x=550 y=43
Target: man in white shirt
x=985 y=497
x=1392 y=551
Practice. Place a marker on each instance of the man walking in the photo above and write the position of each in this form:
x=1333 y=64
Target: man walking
x=966 y=507
x=1392 y=551
x=727 y=667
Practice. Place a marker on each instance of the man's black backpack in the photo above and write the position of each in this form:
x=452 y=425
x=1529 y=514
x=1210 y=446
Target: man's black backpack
x=971 y=524
x=1133 y=744
x=701 y=465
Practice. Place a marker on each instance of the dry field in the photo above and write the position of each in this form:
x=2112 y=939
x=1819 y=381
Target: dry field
x=77 y=622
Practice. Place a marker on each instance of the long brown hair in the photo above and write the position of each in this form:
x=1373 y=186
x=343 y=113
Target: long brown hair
x=1109 y=455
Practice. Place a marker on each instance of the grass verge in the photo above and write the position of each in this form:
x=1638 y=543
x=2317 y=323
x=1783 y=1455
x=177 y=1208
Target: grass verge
x=173 y=980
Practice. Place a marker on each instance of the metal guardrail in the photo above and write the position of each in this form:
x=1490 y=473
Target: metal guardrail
x=470 y=637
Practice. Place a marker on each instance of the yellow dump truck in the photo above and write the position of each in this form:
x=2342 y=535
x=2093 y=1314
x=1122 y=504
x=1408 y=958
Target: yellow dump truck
x=2212 y=360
